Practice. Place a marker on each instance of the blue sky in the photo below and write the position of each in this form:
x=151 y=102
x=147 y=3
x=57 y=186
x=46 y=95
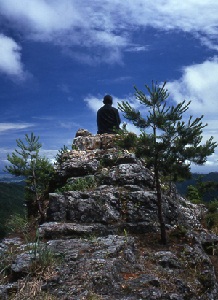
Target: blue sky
x=59 y=58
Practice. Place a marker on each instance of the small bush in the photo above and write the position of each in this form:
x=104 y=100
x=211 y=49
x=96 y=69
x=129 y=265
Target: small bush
x=213 y=206
x=44 y=258
x=127 y=141
x=60 y=155
x=212 y=220
x=179 y=232
x=17 y=223
x=196 y=201
x=6 y=259
x=80 y=184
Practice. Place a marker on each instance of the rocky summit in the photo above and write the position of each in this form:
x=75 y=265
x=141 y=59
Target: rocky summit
x=102 y=231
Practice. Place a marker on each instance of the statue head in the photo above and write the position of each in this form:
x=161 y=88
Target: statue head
x=108 y=99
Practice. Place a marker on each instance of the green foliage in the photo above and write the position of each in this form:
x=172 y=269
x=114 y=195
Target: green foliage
x=206 y=188
x=209 y=189
x=179 y=232
x=196 y=193
x=109 y=160
x=47 y=257
x=40 y=270
x=80 y=184
x=193 y=194
x=212 y=220
x=17 y=223
x=170 y=141
x=11 y=203
x=212 y=215
x=6 y=259
x=213 y=206
x=26 y=161
x=43 y=256
x=127 y=140
x=59 y=158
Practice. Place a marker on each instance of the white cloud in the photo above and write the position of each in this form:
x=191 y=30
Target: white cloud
x=94 y=103
x=137 y=48
x=41 y=15
x=69 y=125
x=67 y=23
x=107 y=27
x=199 y=83
x=10 y=57
x=48 y=153
x=14 y=126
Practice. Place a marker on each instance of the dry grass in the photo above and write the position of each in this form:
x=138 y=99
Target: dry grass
x=31 y=290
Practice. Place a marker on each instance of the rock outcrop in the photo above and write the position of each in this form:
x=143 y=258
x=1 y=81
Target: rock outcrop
x=103 y=224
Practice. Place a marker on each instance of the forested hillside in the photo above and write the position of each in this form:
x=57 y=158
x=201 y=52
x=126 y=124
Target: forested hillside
x=213 y=176
x=11 y=202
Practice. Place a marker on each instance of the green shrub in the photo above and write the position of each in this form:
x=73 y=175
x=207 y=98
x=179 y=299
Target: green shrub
x=196 y=201
x=59 y=158
x=12 y=202
x=43 y=257
x=6 y=259
x=17 y=223
x=127 y=141
x=213 y=206
x=80 y=184
x=179 y=232
x=212 y=220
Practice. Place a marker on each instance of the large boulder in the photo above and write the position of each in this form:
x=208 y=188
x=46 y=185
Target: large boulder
x=106 y=237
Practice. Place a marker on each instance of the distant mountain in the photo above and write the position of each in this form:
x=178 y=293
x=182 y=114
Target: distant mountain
x=6 y=177
x=213 y=176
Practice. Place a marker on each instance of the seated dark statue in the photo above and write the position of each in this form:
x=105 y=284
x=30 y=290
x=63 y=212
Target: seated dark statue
x=108 y=119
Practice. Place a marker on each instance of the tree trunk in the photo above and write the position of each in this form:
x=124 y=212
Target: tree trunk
x=159 y=208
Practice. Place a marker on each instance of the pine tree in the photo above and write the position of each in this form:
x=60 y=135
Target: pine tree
x=166 y=141
x=37 y=171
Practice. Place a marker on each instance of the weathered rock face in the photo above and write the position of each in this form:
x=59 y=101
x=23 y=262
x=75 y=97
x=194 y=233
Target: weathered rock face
x=123 y=195
x=107 y=233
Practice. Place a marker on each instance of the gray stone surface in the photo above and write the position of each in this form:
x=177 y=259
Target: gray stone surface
x=106 y=238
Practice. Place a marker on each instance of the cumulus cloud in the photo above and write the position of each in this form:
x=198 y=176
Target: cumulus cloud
x=93 y=103
x=10 y=57
x=199 y=83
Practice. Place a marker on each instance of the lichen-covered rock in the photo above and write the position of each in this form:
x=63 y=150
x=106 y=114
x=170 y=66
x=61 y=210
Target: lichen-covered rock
x=106 y=205
x=84 y=140
x=78 y=163
x=106 y=235
x=54 y=230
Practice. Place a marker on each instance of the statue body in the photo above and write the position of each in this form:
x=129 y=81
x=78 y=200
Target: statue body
x=108 y=119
